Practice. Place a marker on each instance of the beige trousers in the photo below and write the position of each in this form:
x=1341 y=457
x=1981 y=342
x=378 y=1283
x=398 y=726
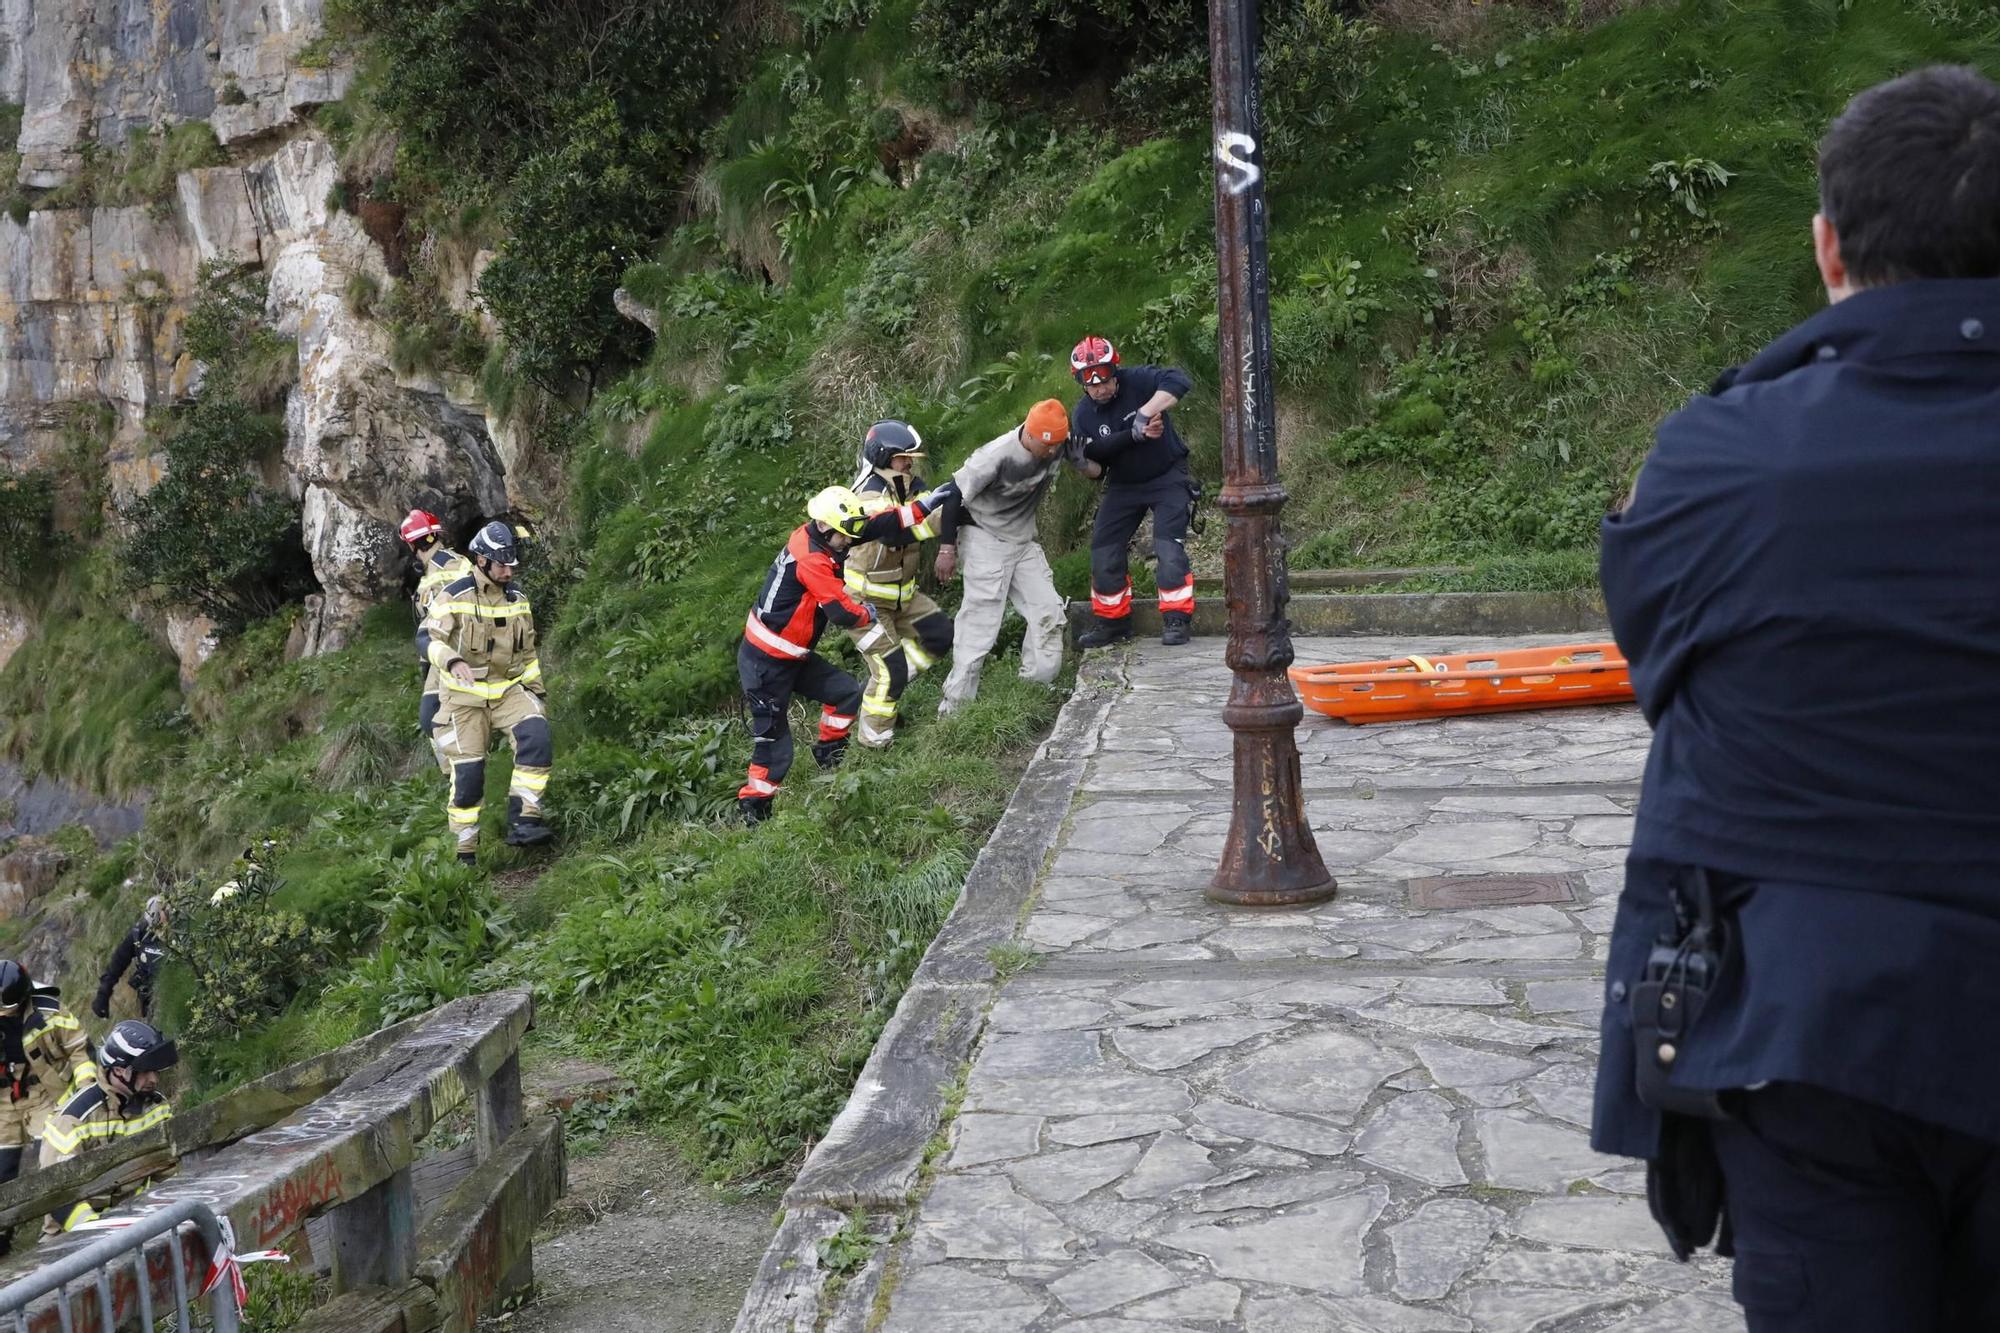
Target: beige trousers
x=996 y=573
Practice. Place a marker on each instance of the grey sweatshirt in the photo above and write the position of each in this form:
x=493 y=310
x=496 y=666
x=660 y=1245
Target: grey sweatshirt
x=1000 y=486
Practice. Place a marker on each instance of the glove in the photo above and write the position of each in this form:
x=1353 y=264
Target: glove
x=939 y=497
x=1139 y=423
x=101 y=1006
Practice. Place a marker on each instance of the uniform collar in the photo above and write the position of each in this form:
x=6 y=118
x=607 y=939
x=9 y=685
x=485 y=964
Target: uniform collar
x=1934 y=317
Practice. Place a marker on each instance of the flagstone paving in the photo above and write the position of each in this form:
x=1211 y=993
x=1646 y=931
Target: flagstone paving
x=1357 y=1116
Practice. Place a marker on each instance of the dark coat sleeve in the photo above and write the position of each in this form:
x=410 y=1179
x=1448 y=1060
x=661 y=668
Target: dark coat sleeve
x=121 y=958
x=1679 y=564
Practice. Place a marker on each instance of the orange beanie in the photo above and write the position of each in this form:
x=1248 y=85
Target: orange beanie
x=1048 y=422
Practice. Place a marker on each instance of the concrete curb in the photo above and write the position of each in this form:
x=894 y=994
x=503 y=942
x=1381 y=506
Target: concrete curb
x=871 y=1159
x=1399 y=614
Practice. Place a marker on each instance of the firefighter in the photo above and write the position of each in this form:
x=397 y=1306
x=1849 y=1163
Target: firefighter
x=124 y=1098
x=909 y=632
x=1123 y=424
x=480 y=636
x=141 y=950
x=803 y=591
x=47 y=1059
x=437 y=565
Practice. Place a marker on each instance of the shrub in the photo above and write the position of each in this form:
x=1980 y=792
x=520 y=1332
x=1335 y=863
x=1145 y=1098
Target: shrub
x=579 y=114
x=991 y=48
x=30 y=545
x=750 y=417
x=579 y=215
x=208 y=535
x=247 y=957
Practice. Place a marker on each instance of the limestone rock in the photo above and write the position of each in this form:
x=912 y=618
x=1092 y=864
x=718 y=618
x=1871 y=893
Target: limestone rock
x=27 y=872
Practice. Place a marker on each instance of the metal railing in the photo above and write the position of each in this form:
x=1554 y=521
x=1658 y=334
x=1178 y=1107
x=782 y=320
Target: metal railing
x=100 y=1258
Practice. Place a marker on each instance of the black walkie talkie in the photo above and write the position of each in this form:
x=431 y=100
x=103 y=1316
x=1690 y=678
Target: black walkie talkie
x=1680 y=976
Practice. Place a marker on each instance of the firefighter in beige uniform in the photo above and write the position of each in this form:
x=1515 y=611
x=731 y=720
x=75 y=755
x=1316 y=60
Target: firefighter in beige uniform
x=909 y=631
x=437 y=565
x=122 y=1099
x=47 y=1058
x=480 y=635
x=990 y=536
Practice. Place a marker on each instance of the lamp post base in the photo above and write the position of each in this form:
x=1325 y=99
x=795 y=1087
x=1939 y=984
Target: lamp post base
x=1269 y=859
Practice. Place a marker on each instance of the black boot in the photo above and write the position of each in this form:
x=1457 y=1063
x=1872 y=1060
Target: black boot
x=753 y=809
x=1105 y=632
x=468 y=858
x=828 y=754
x=1175 y=628
x=525 y=830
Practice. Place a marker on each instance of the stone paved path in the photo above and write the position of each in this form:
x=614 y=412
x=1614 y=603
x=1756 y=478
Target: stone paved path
x=1362 y=1116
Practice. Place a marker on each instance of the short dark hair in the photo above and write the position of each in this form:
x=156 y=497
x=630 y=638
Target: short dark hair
x=1909 y=175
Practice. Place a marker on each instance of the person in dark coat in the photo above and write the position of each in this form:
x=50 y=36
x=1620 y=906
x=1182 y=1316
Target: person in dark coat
x=1802 y=1004
x=141 y=950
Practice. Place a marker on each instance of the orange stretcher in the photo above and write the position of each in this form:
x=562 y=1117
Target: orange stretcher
x=1558 y=676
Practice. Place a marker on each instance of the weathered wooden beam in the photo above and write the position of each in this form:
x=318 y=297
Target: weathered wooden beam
x=375 y=1236
x=500 y=1111
x=410 y=1308
x=480 y=1242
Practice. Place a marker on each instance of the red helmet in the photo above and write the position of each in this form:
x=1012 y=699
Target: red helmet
x=419 y=525
x=1093 y=360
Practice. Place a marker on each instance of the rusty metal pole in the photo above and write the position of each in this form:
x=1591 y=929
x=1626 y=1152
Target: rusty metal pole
x=1270 y=858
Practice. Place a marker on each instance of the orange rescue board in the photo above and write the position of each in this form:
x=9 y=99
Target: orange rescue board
x=1557 y=676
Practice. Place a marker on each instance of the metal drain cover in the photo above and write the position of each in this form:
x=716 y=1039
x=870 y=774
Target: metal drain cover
x=1446 y=891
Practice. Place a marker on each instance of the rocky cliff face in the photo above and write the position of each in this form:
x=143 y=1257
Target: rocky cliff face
x=93 y=299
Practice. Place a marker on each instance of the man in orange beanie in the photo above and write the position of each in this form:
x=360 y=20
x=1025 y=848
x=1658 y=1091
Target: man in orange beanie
x=991 y=529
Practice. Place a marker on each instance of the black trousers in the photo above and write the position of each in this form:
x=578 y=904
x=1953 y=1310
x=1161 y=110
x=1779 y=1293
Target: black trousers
x=1849 y=1218
x=768 y=687
x=1119 y=511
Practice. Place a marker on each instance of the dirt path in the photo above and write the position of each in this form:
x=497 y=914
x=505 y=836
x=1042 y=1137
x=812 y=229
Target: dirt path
x=640 y=1246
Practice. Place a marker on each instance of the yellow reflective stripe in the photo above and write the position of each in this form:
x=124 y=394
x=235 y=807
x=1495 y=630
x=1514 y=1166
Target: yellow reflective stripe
x=926 y=529
x=114 y=1128
x=874 y=708
x=441 y=656
x=86 y=1074
x=488 y=689
x=485 y=610
x=531 y=781
x=60 y=1019
x=78 y=1215
x=462 y=815
x=916 y=657
x=896 y=593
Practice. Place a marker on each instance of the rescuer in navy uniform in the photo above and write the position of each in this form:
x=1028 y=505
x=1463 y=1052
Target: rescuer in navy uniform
x=1122 y=425
x=1802 y=1005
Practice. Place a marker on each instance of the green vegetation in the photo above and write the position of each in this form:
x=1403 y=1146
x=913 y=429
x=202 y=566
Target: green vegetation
x=1507 y=238
x=209 y=534
x=140 y=171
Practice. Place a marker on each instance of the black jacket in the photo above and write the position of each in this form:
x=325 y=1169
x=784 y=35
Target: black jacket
x=1106 y=429
x=1805 y=583
x=141 y=944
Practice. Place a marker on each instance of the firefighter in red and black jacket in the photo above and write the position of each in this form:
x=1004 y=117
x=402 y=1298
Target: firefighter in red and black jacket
x=804 y=592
